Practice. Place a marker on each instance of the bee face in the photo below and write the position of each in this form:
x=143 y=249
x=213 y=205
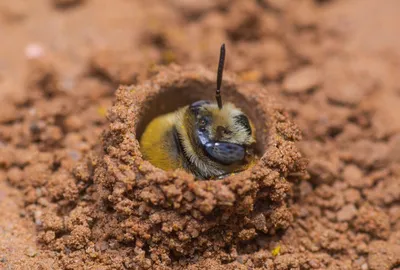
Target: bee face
x=228 y=124
x=223 y=134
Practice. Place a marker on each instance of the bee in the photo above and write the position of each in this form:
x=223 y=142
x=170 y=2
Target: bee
x=210 y=140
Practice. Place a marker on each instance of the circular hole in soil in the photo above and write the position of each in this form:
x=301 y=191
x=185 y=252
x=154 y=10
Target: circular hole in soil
x=169 y=99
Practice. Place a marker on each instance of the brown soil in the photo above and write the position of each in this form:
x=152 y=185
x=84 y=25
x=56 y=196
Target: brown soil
x=76 y=194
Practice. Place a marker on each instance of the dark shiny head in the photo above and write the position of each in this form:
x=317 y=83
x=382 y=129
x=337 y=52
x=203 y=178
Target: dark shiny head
x=223 y=134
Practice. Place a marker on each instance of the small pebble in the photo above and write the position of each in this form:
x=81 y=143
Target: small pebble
x=8 y=112
x=73 y=123
x=14 y=11
x=30 y=252
x=74 y=155
x=314 y=263
x=38 y=217
x=354 y=176
x=34 y=51
x=347 y=213
x=348 y=94
x=302 y=80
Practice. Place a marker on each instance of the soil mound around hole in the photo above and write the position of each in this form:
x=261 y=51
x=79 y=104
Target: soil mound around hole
x=127 y=212
x=166 y=216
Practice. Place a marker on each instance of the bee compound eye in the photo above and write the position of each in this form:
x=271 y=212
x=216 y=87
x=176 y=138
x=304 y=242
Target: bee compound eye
x=242 y=120
x=203 y=121
x=195 y=106
x=225 y=153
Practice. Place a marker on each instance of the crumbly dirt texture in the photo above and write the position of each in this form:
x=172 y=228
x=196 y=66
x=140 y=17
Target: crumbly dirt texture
x=76 y=194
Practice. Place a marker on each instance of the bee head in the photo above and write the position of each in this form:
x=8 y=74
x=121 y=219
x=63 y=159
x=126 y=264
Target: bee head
x=228 y=124
x=224 y=134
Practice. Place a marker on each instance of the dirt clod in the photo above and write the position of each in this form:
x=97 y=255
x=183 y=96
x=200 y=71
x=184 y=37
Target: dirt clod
x=302 y=80
x=347 y=213
x=374 y=221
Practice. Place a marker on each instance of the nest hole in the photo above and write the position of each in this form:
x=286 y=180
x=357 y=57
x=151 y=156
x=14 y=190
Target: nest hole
x=170 y=99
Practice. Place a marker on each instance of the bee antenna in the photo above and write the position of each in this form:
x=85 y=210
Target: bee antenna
x=219 y=75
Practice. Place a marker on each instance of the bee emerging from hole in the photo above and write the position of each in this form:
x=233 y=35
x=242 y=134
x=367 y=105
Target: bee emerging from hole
x=207 y=139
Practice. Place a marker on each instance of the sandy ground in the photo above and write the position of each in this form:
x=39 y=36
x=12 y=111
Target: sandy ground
x=332 y=64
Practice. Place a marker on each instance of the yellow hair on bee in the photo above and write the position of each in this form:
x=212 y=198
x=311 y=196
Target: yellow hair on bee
x=157 y=143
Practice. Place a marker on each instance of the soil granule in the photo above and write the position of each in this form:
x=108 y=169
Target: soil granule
x=76 y=194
